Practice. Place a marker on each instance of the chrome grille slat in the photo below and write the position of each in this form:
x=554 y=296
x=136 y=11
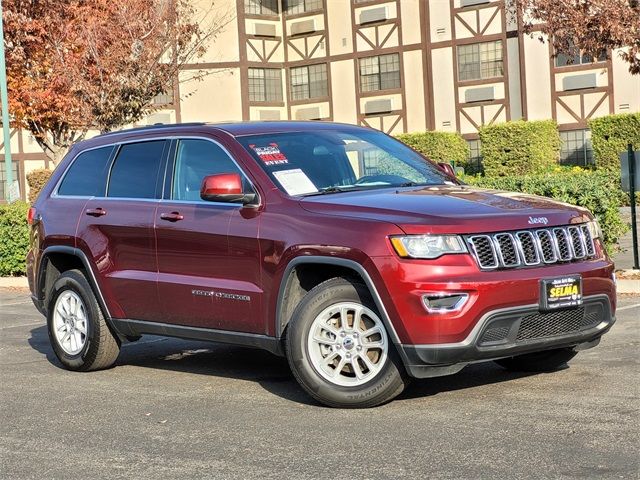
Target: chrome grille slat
x=563 y=245
x=526 y=243
x=506 y=250
x=532 y=247
x=484 y=251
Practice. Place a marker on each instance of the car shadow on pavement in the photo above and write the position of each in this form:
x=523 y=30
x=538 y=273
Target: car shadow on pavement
x=270 y=371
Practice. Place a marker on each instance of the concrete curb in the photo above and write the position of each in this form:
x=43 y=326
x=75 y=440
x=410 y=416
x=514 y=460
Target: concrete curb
x=14 y=282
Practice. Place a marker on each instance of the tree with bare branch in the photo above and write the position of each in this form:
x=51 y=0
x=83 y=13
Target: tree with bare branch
x=78 y=65
x=591 y=28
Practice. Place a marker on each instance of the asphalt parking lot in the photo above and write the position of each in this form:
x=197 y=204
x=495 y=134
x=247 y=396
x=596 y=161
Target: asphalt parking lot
x=179 y=409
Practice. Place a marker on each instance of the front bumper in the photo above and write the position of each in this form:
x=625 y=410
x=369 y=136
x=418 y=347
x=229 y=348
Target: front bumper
x=513 y=331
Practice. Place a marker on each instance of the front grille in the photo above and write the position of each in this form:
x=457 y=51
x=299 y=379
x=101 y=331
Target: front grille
x=530 y=248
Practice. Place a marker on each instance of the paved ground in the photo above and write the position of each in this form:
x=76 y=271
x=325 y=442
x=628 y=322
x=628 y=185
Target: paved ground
x=176 y=409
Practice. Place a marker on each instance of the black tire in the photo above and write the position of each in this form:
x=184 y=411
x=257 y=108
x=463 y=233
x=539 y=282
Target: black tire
x=101 y=347
x=547 y=361
x=388 y=383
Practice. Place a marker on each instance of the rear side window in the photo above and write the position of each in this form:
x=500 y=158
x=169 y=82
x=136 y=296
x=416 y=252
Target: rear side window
x=136 y=169
x=87 y=176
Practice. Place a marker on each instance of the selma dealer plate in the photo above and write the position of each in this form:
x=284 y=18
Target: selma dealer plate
x=561 y=292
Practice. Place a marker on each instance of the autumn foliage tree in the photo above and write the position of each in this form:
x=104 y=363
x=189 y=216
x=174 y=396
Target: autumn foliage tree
x=586 y=27
x=77 y=65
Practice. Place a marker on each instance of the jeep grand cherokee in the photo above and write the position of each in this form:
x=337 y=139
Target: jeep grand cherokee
x=343 y=249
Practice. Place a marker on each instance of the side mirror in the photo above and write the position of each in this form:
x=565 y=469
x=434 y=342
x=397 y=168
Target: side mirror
x=447 y=168
x=225 y=187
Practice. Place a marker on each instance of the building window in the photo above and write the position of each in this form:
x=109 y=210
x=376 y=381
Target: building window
x=475 y=156
x=302 y=6
x=265 y=85
x=3 y=177
x=380 y=73
x=261 y=7
x=576 y=148
x=480 y=60
x=575 y=57
x=309 y=82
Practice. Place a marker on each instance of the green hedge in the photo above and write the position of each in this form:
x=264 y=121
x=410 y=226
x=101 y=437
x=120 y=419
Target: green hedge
x=439 y=146
x=610 y=136
x=14 y=238
x=519 y=148
x=599 y=191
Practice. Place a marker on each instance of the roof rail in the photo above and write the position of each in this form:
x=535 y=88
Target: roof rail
x=154 y=127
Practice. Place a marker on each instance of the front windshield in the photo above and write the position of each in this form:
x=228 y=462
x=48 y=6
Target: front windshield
x=327 y=161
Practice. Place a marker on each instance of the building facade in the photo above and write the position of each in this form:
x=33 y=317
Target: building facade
x=394 y=65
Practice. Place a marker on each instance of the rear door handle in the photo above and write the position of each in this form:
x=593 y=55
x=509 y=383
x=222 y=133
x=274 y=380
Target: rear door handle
x=96 y=212
x=171 y=217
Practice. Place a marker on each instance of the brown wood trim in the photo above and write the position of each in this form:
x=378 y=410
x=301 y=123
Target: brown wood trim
x=456 y=85
x=327 y=50
x=579 y=67
x=255 y=16
x=483 y=81
x=308 y=101
x=505 y=62
x=427 y=69
x=471 y=8
x=369 y=3
x=401 y=59
x=242 y=52
x=381 y=93
x=254 y=103
x=552 y=80
x=523 y=68
x=585 y=91
x=211 y=65
x=310 y=13
x=610 y=89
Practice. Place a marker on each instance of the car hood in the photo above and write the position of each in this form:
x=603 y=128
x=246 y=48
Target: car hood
x=444 y=208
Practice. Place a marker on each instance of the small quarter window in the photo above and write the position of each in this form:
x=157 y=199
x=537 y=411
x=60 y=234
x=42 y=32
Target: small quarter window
x=87 y=176
x=136 y=169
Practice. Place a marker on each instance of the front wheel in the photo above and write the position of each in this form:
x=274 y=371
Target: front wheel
x=547 y=361
x=339 y=350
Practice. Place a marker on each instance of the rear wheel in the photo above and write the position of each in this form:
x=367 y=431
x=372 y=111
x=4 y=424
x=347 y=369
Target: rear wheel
x=78 y=332
x=538 y=362
x=339 y=350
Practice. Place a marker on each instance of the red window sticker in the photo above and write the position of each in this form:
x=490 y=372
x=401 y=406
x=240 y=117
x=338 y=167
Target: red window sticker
x=270 y=154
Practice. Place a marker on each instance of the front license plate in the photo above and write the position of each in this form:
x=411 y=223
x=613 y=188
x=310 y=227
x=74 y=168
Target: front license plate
x=561 y=292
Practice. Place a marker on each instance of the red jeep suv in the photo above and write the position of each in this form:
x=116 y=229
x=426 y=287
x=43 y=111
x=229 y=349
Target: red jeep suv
x=335 y=245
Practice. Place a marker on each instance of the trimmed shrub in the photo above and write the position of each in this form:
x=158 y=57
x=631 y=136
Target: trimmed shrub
x=439 y=146
x=14 y=238
x=519 y=148
x=597 y=190
x=610 y=136
x=37 y=179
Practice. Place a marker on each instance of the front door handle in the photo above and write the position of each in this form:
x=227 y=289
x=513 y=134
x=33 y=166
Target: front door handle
x=171 y=217
x=95 y=212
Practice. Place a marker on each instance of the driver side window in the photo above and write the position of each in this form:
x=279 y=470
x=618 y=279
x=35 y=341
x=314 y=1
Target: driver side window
x=195 y=159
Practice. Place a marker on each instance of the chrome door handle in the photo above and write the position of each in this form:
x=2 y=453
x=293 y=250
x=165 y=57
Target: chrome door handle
x=171 y=217
x=95 y=212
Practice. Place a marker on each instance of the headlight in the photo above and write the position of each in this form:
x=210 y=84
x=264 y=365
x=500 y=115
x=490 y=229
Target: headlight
x=427 y=246
x=594 y=229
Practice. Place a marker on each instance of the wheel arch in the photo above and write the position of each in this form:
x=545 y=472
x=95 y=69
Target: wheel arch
x=58 y=259
x=292 y=289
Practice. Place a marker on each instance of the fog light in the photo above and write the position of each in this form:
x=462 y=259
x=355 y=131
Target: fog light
x=444 y=302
